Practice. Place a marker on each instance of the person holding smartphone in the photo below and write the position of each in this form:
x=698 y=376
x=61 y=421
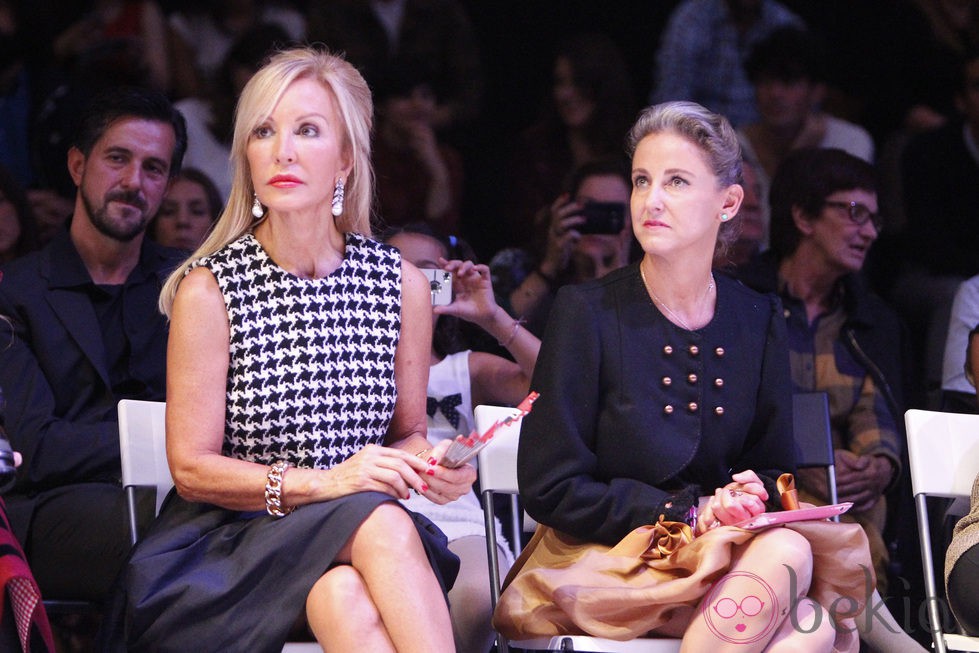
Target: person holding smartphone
x=460 y=378
x=582 y=235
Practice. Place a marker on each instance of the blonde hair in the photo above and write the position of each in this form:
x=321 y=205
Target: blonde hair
x=355 y=108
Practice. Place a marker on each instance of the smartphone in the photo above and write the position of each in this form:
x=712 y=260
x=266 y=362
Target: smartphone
x=602 y=218
x=441 y=284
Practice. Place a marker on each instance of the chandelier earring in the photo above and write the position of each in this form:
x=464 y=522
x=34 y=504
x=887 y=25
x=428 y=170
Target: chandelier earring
x=337 y=202
x=257 y=209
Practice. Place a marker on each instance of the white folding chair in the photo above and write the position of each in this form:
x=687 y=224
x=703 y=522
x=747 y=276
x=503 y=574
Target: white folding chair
x=943 y=451
x=498 y=473
x=143 y=450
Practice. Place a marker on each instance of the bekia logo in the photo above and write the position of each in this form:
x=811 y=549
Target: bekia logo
x=741 y=608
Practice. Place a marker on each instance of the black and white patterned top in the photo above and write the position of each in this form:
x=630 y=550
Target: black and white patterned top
x=311 y=375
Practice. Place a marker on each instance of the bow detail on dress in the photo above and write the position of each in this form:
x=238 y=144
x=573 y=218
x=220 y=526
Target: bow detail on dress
x=447 y=405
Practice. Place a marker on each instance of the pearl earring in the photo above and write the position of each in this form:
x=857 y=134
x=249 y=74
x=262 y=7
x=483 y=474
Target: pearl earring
x=337 y=203
x=724 y=217
x=257 y=210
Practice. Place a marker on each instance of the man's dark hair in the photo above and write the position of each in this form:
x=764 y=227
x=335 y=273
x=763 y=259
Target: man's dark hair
x=804 y=179
x=113 y=104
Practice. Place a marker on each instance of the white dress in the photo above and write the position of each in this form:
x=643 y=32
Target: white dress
x=463 y=517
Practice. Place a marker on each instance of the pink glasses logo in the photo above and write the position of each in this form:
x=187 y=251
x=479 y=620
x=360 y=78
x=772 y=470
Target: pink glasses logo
x=741 y=608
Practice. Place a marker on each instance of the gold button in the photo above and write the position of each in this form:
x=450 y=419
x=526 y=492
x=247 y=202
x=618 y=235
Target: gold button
x=719 y=351
x=694 y=350
x=667 y=350
x=786 y=313
x=692 y=378
x=719 y=382
x=667 y=380
x=668 y=409
x=692 y=406
x=719 y=410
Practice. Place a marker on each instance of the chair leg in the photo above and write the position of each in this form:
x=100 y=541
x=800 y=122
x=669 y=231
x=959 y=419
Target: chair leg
x=492 y=557
x=927 y=562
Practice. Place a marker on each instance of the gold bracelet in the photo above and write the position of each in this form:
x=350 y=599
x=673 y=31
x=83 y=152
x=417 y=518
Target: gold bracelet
x=273 y=489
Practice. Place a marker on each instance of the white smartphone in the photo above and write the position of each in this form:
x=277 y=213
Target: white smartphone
x=441 y=283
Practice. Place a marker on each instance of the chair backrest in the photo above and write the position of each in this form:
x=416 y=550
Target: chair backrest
x=143 y=446
x=811 y=429
x=943 y=452
x=498 y=460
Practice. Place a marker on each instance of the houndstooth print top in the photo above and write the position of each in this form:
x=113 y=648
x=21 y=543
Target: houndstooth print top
x=311 y=375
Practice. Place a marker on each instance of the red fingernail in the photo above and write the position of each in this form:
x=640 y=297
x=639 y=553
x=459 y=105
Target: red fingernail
x=430 y=472
x=424 y=488
x=432 y=461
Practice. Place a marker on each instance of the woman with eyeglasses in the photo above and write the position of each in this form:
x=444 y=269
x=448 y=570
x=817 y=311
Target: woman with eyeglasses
x=843 y=339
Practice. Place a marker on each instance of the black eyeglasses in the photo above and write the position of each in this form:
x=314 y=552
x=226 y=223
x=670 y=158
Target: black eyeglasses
x=859 y=214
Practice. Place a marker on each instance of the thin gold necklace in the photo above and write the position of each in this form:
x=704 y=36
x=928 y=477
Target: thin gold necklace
x=677 y=318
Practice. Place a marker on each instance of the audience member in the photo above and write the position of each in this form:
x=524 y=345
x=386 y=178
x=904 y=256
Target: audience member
x=124 y=39
x=660 y=384
x=785 y=69
x=296 y=371
x=52 y=212
x=419 y=177
x=87 y=334
x=526 y=280
x=16 y=94
x=702 y=51
x=210 y=29
x=24 y=623
x=940 y=180
x=18 y=230
x=843 y=339
x=961 y=561
x=431 y=35
x=458 y=380
x=958 y=390
x=209 y=115
x=750 y=222
x=188 y=211
x=584 y=119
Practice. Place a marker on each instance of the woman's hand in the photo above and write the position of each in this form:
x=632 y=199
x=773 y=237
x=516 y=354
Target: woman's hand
x=740 y=499
x=563 y=217
x=473 y=298
x=381 y=469
x=446 y=485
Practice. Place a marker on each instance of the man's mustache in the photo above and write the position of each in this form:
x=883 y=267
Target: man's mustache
x=129 y=197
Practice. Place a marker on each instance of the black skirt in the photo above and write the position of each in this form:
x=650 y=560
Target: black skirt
x=209 y=579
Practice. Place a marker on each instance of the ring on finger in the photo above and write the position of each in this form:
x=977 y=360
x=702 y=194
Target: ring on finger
x=736 y=493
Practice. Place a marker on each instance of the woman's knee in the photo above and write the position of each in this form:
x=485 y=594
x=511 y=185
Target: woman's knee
x=341 y=592
x=784 y=557
x=389 y=527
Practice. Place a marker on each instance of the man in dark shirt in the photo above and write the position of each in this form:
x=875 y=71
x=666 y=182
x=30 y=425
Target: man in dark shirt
x=86 y=333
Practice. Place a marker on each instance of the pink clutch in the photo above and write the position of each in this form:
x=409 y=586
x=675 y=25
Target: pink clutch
x=766 y=519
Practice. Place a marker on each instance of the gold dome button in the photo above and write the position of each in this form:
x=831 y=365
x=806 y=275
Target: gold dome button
x=692 y=406
x=667 y=381
x=692 y=378
x=719 y=382
x=719 y=351
x=694 y=350
x=719 y=410
x=668 y=409
x=667 y=350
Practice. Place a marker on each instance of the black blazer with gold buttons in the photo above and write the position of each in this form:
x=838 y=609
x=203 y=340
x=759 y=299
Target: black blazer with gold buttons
x=638 y=417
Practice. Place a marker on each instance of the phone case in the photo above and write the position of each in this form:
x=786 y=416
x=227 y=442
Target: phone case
x=464 y=449
x=767 y=519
